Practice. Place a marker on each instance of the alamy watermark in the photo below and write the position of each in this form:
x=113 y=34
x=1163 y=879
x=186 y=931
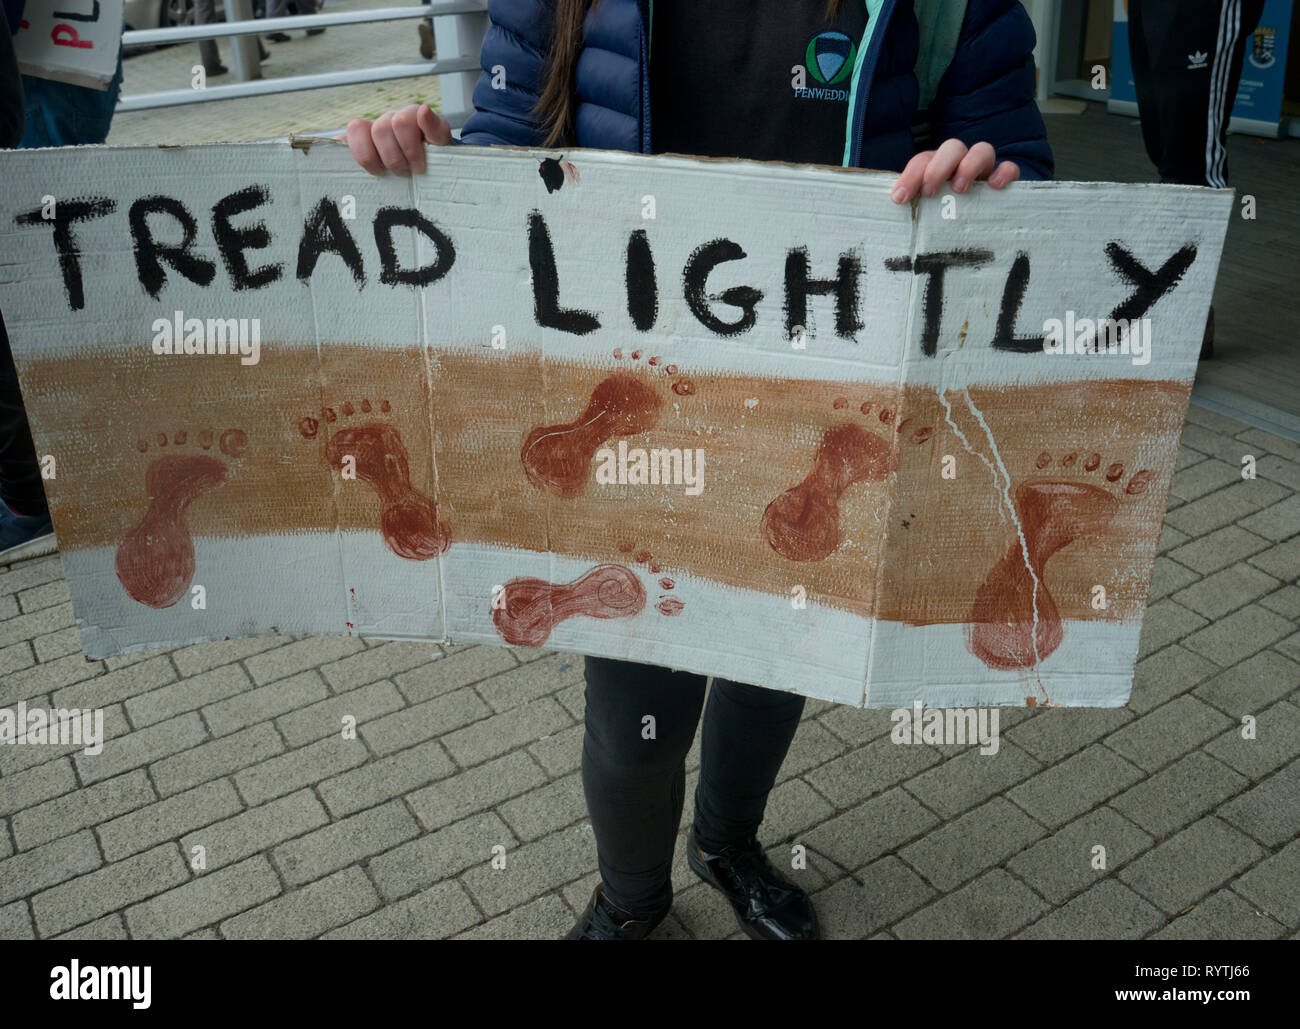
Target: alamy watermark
x=181 y=335
x=1131 y=338
x=954 y=725
x=640 y=467
x=82 y=727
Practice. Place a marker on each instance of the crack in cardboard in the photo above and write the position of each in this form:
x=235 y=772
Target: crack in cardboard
x=1015 y=518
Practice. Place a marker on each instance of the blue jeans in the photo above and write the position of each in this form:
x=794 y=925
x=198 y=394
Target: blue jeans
x=61 y=114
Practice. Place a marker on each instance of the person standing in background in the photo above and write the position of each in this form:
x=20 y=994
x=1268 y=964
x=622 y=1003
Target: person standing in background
x=1187 y=59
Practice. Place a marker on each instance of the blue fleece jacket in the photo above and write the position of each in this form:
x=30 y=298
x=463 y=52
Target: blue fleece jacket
x=986 y=95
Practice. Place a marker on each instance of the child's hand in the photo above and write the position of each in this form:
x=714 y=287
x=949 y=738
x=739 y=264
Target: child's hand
x=395 y=140
x=929 y=170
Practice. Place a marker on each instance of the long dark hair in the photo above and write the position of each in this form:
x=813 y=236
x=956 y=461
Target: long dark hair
x=556 y=105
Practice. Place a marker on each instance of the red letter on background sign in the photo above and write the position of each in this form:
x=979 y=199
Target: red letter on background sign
x=70 y=38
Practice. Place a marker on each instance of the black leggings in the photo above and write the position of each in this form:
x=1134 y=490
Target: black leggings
x=20 y=473
x=636 y=786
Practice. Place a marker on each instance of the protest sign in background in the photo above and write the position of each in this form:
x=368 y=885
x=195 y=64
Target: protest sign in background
x=73 y=41
x=459 y=396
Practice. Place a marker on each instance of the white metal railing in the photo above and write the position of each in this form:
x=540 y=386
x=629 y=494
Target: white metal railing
x=458 y=28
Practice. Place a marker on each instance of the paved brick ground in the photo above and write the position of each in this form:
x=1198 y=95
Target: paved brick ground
x=236 y=748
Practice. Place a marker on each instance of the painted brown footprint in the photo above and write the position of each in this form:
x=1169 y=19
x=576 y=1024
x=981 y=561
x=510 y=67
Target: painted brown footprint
x=803 y=523
x=155 y=560
x=410 y=522
x=530 y=609
x=1052 y=512
x=668 y=605
x=558 y=458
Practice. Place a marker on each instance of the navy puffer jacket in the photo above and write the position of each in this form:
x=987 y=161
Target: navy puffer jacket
x=987 y=93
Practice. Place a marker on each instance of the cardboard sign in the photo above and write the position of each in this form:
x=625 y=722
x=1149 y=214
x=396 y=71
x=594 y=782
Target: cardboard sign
x=73 y=41
x=750 y=420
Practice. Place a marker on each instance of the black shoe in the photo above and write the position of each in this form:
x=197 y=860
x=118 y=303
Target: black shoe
x=278 y=37
x=316 y=31
x=766 y=905
x=426 y=40
x=603 y=921
x=212 y=73
x=1207 y=341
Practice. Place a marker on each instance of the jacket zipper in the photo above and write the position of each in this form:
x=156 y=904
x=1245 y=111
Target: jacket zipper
x=861 y=88
x=647 y=35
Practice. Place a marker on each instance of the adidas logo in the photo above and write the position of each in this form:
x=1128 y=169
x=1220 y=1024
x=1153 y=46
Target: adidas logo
x=1197 y=60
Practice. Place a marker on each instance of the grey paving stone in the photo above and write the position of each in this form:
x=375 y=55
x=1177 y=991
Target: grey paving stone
x=1204 y=477
x=306 y=913
x=434 y=914
x=187 y=695
x=349 y=841
x=1280 y=470
x=574 y=700
x=15 y=759
x=1271 y=885
x=214 y=759
x=462 y=668
x=530 y=869
x=1270 y=443
x=113 y=687
x=992 y=907
x=57 y=861
x=964 y=847
x=60 y=643
x=1222 y=916
x=282 y=662
x=1170 y=538
x=883 y=892
x=15 y=656
x=6 y=844
x=1277 y=522
x=31 y=573
x=1054 y=733
x=546 y=918
x=511 y=689
x=856 y=725
x=1155 y=739
x=1061 y=865
x=382 y=662
x=42 y=678
x=1168 y=576
x=202 y=656
x=37 y=597
x=1107 y=911
x=1062 y=792
x=387 y=777
x=305 y=766
x=82 y=808
x=792 y=807
x=1239 y=635
x=866 y=832
x=545 y=809
x=1282 y=561
x=1194 y=862
x=141 y=747
x=1268 y=812
x=1227 y=506
x=561 y=752
x=1226 y=590
x=211 y=897
x=477 y=789
x=1165 y=675
x=110 y=927
x=256 y=829
x=1218 y=549
x=262 y=705
x=168 y=819
x=35 y=785
x=317 y=721
x=1290 y=647
x=1213 y=421
x=22 y=627
x=1252 y=685
x=1180 y=794
x=108 y=889
x=1165 y=622
x=15 y=922
x=869 y=769
x=437 y=855
x=1285 y=602
x=433 y=718
x=493 y=736
x=1276 y=742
